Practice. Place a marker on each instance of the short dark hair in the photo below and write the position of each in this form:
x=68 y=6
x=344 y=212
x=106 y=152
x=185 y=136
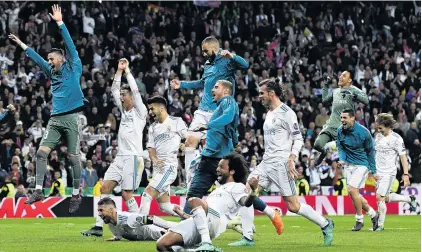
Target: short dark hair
x=238 y=163
x=157 y=99
x=57 y=50
x=272 y=85
x=210 y=39
x=351 y=112
x=125 y=87
x=107 y=201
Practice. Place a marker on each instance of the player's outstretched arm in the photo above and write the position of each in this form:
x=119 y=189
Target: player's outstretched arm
x=45 y=67
x=370 y=151
x=115 y=89
x=361 y=97
x=226 y=117
x=236 y=61
x=68 y=42
x=137 y=98
x=176 y=84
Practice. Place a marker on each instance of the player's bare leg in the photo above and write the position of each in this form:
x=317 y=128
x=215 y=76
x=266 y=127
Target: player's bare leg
x=76 y=200
x=326 y=225
x=168 y=240
x=38 y=194
x=191 y=151
x=97 y=230
x=357 y=203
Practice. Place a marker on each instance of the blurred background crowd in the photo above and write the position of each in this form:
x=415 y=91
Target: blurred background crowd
x=298 y=42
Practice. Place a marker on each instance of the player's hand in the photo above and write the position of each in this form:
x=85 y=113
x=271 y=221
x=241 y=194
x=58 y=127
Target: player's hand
x=11 y=107
x=15 y=39
x=201 y=128
x=123 y=64
x=57 y=13
x=405 y=180
x=158 y=163
x=375 y=176
x=226 y=54
x=340 y=164
x=253 y=183
x=291 y=169
x=182 y=147
x=178 y=210
x=112 y=239
x=175 y=84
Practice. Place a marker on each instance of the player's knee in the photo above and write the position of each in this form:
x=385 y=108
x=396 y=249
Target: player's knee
x=105 y=189
x=351 y=190
x=162 y=245
x=166 y=207
x=191 y=142
x=127 y=195
x=293 y=206
x=42 y=154
x=380 y=198
x=74 y=160
x=193 y=202
x=319 y=145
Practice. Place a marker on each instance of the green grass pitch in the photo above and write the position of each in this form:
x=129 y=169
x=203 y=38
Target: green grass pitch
x=402 y=233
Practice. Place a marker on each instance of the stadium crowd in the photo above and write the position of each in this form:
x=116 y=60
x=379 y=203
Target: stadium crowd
x=299 y=43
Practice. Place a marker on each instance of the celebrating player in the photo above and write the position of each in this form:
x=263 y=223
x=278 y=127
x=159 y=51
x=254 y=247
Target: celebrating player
x=126 y=225
x=344 y=97
x=388 y=146
x=283 y=142
x=164 y=138
x=209 y=217
x=220 y=65
x=68 y=100
x=356 y=153
x=128 y=166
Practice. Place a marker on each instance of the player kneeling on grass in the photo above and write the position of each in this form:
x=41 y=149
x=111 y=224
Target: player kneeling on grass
x=389 y=145
x=131 y=226
x=209 y=217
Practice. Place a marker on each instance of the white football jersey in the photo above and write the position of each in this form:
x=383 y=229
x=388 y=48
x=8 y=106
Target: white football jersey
x=225 y=199
x=124 y=228
x=280 y=130
x=387 y=150
x=166 y=137
x=132 y=122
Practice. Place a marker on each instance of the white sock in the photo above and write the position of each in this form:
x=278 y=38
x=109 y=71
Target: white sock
x=309 y=213
x=371 y=212
x=38 y=187
x=247 y=214
x=167 y=207
x=359 y=218
x=270 y=212
x=163 y=223
x=145 y=204
x=382 y=210
x=75 y=191
x=132 y=205
x=394 y=197
x=190 y=154
x=98 y=221
x=201 y=224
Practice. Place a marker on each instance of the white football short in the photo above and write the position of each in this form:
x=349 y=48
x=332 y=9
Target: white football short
x=126 y=171
x=274 y=173
x=356 y=175
x=187 y=228
x=384 y=184
x=200 y=117
x=162 y=180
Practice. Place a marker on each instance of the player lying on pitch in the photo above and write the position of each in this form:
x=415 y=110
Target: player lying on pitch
x=209 y=217
x=131 y=226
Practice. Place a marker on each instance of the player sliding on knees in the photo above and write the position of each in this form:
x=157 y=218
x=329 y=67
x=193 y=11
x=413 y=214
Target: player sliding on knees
x=131 y=226
x=164 y=140
x=128 y=166
x=209 y=217
x=64 y=72
x=283 y=142
x=388 y=146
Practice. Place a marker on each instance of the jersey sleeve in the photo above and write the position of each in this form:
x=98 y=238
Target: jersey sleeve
x=182 y=129
x=115 y=91
x=239 y=191
x=137 y=98
x=150 y=143
x=294 y=131
x=399 y=146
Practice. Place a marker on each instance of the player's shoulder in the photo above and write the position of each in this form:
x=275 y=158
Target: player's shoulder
x=153 y=125
x=396 y=136
x=283 y=109
x=355 y=88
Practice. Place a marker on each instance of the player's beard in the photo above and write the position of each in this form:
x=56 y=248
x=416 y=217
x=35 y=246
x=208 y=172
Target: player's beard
x=211 y=57
x=222 y=178
x=107 y=219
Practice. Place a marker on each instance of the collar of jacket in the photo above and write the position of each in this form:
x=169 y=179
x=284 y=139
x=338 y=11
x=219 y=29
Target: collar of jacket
x=353 y=128
x=222 y=99
x=60 y=71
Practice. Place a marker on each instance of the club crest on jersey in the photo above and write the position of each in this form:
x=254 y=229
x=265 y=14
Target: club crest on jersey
x=168 y=128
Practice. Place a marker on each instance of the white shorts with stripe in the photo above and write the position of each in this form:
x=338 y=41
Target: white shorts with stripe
x=162 y=180
x=200 y=117
x=356 y=175
x=191 y=237
x=126 y=171
x=274 y=173
x=384 y=184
